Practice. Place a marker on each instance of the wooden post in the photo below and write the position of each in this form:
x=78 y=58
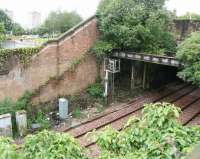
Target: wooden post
x=144 y=76
x=132 y=76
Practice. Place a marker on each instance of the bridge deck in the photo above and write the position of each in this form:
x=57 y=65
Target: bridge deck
x=162 y=60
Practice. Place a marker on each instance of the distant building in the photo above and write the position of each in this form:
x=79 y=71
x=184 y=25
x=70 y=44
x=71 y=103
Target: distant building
x=35 y=19
x=9 y=13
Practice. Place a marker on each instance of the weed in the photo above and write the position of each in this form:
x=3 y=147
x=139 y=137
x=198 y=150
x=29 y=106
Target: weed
x=77 y=113
x=40 y=119
x=95 y=90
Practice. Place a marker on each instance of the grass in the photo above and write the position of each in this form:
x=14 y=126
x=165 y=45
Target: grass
x=77 y=113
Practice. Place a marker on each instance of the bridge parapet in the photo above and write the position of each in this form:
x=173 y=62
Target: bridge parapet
x=161 y=60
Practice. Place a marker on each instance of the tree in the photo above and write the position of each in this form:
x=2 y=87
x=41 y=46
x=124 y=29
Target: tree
x=139 y=25
x=4 y=19
x=17 y=29
x=2 y=32
x=59 y=22
x=189 y=53
x=9 y=25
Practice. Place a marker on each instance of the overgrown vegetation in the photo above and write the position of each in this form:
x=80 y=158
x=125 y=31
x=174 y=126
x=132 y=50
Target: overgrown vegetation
x=189 y=53
x=96 y=90
x=44 y=145
x=77 y=113
x=51 y=145
x=40 y=118
x=24 y=55
x=142 y=26
x=157 y=134
x=8 y=149
x=9 y=106
x=24 y=103
x=89 y=98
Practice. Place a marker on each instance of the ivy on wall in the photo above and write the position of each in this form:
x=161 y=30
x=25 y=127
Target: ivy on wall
x=24 y=55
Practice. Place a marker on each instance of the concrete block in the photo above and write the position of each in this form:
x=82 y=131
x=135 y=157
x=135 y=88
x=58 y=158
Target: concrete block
x=6 y=125
x=21 y=120
x=63 y=108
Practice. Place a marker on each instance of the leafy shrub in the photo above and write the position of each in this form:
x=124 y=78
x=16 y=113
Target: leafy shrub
x=189 y=53
x=158 y=134
x=40 y=118
x=9 y=106
x=51 y=145
x=96 y=90
x=101 y=48
x=141 y=26
x=8 y=149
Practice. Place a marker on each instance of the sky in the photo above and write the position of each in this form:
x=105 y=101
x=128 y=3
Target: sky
x=85 y=8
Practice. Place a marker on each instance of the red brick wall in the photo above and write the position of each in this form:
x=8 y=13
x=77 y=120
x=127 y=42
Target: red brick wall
x=52 y=61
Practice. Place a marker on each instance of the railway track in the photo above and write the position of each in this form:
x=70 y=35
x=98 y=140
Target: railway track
x=186 y=96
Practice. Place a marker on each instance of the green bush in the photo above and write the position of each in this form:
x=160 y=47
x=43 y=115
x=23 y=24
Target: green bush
x=9 y=106
x=51 y=145
x=157 y=134
x=96 y=90
x=40 y=118
x=8 y=149
x=189 y=53
x=101 y=48
x=142 y=26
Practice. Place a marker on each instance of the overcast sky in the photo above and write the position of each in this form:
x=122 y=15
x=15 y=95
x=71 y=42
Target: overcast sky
x=85 y=8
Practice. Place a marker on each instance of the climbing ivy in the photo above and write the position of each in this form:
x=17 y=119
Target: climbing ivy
x=24 y=54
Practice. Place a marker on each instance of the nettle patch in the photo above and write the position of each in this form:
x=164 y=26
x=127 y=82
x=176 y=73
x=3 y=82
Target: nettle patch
x=24 y=55
x=157 y=134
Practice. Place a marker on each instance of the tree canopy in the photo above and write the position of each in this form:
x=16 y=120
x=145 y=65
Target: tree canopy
x=189 y=53
x=6 y=21
x=139 y=25
x=9 y=25
x=59 y=22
